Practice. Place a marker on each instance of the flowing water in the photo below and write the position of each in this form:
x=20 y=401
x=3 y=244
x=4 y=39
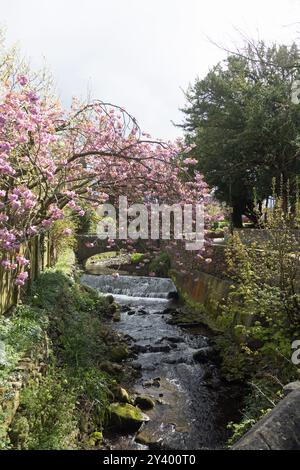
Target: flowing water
x=192 y=404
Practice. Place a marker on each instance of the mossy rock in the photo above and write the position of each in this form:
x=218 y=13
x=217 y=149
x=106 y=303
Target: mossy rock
x=121 y=394
x=205 y=354
x=117 y=317
x=125 y=417
x=96 y=439
x=110 y=298
x=144 y=403
x=111 y=368
x=113 y=308
x=119 y=353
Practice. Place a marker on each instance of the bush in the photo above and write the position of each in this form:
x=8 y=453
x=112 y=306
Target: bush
x=47 y=417
x=20 y=333
x=161 y=265
x=262 y=316
x=137 y=258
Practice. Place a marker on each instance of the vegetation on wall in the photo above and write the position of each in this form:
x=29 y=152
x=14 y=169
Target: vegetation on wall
x=261 y=318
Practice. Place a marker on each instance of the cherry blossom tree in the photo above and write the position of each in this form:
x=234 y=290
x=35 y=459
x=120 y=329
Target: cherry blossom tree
x=51 y=159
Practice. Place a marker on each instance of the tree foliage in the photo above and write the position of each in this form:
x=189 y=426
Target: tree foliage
x=52 y=159
x=245 y=126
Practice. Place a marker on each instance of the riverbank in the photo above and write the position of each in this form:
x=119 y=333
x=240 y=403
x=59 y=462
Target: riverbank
x=61 y=366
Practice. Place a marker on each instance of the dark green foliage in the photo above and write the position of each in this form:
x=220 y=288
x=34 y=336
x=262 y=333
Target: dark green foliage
x=262 y=316
x=19 y=333
x=161 y=265
x=245 y=126
x=47 y=417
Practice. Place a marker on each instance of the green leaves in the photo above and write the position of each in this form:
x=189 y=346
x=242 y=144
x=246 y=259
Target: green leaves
x=245 y=126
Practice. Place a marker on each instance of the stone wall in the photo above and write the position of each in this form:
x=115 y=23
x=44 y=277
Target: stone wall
x=207 y=290
x=279 y=429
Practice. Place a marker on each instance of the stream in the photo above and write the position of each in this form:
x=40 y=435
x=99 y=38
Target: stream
x=192 y=404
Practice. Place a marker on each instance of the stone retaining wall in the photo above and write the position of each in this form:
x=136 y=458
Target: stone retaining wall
x=279 y=429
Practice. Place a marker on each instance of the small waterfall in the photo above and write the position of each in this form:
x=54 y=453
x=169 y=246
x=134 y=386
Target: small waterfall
x=131 y=286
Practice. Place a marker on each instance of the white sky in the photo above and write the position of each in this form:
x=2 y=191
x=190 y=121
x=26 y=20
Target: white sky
x=139 y=53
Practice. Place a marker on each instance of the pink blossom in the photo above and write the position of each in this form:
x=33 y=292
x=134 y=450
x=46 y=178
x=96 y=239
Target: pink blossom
x=6 y=264
x=3 y=218
x=190 y=161
x=22 y=261
x=21 y=278
x=89 y=245
x=22 y=80
x=47 y=223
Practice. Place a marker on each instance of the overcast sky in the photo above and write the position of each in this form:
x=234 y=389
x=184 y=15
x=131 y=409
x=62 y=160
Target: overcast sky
x=139 y=54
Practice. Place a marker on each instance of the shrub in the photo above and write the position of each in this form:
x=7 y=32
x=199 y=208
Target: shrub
x=262 y=315
x=161 y=265
x=47 y=418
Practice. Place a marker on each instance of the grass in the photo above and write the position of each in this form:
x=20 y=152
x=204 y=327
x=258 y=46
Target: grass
x=66 y=261
x=69 y=403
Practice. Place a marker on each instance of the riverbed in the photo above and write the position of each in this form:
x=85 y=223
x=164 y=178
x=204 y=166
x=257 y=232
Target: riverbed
x=192 y=404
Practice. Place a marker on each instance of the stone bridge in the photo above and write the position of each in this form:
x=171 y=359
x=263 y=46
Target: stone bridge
x=90 y=245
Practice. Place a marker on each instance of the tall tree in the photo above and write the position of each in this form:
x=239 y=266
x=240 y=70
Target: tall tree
x=245 y=126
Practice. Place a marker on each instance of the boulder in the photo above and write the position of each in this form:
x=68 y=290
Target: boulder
x=119 y=353
x=277 y=430
x=121 y=394
x=152 y=383
x=143 y=402
x=96 y=439
x=117 y=317
x=110 y=298
x=204 y=355
x=291 y=387
x=162 y=348
x=111 y=367
x=125 y=417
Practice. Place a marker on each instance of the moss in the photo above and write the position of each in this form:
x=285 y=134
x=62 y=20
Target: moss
x=111 y=368
x=126 y=417
x=121 y=394
x=137 y=258
x=63 y=322
x=95 y=439
x=20 y=433
x=144 y=403
x=119 y=353
x=117 y=317
x=110 y=299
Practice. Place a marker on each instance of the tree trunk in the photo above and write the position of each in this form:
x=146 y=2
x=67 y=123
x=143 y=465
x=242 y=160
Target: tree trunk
x=236 y=216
